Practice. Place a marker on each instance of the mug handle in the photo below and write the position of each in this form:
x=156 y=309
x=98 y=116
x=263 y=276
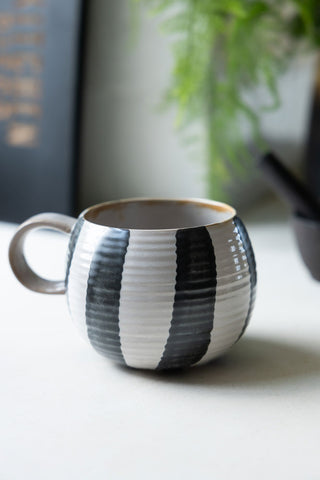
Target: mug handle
x=19 y=265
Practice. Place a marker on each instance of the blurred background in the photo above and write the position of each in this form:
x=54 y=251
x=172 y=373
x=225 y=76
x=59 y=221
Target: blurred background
x=81 y=85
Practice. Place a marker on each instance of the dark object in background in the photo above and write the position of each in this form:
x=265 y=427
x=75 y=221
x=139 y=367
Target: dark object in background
x=305 y=209
x=39 y=66
x=289 y=188
x=312 y=161
x=307 y=232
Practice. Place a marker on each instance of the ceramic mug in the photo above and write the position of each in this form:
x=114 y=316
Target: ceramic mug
x=152 y=283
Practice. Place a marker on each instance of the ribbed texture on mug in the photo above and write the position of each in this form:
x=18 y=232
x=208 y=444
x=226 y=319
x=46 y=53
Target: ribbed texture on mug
x=103 y=293
x=83 y=244
x=163 y=298
x=233 y=288
x=193 y=307
x=147 y=296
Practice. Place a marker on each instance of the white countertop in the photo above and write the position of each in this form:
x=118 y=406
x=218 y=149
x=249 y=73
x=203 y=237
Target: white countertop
x=67 y=413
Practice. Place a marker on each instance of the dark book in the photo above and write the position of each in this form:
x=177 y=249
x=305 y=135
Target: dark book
x=39 y=84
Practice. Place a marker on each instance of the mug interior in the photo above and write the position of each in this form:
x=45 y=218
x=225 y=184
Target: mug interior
x=158 y=214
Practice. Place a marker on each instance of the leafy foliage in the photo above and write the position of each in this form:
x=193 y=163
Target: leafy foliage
x=223 y=49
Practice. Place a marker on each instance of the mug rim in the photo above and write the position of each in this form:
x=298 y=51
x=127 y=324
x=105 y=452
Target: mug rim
x=213 y=204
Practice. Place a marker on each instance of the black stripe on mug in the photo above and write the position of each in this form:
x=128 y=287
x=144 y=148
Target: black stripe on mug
x=72 y=244
x=251 y=265
x=195 y=289
x=103 y=294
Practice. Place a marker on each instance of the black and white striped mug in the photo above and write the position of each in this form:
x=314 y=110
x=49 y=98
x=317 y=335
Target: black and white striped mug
x=152 y=283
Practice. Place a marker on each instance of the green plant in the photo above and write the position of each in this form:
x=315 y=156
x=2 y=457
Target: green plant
x=222 y=50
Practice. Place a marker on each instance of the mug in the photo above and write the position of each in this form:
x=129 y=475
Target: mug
x=152 y=283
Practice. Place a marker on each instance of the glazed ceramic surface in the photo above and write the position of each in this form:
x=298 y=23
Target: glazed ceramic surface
x=160 y=284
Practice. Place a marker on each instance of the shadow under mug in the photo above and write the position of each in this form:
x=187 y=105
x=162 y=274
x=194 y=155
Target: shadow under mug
x=152 y=283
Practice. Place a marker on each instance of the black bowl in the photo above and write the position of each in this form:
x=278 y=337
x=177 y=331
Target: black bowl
x=307 y=232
